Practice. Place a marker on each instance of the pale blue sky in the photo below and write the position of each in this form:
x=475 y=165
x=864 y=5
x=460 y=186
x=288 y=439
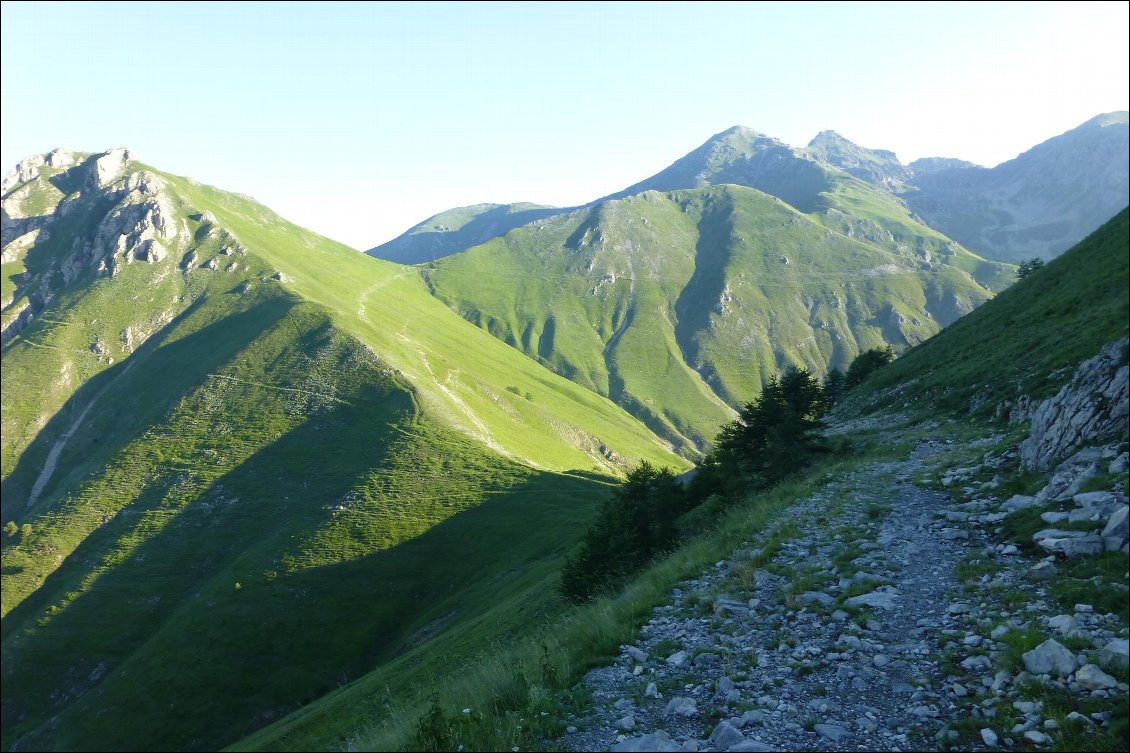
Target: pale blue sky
x=359 y=120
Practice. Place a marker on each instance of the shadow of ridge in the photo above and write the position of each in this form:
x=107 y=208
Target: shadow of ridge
x=713 y=252
x=420 y=248
x=180 y=367
x=116 y=615
x=178 y=371
x=219 y=662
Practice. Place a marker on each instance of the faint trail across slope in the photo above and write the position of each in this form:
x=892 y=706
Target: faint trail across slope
x=61 y=443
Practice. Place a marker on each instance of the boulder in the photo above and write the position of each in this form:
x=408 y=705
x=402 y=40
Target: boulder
x=1114 y=655
x=1069 y=543
x=1116 y=524
x=752 y=746
x=683 y=706
x=810 y=597
x=1043 y=570
x=1099 y=500
x=725 y=736
x=1092 y=678
x=832 y=732
x=875 y=599
x=1019 y=502
x=1050 y=658
x=1063 y=623
x=656 y=741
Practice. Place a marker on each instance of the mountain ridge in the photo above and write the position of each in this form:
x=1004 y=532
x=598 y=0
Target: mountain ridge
x=222 y=434
x=931 y=191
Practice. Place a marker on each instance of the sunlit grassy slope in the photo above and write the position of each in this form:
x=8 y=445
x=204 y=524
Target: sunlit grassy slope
x=277 y=463
x=1019 y=342
x=680 y=305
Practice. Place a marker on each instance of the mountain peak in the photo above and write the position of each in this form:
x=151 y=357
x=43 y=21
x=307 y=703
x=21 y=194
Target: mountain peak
x=828 y=137
x=1118 y=117
x=738 y=131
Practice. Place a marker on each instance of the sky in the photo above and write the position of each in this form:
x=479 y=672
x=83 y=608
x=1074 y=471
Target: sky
x=359 y=120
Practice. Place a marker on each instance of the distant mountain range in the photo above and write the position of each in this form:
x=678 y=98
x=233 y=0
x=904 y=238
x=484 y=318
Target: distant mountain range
x=1037 y=205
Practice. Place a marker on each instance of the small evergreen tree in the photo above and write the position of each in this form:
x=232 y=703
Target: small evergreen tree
x=632 y=526
x=774 y=435
x=834 y=386
x=1028 y=267
x=865 y=363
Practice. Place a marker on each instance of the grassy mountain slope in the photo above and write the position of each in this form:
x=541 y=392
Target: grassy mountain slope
x=456 y=229
x=234 y=442
x=1020 y=341
x=846 y=187
x=680 y=305
x=1051 y=320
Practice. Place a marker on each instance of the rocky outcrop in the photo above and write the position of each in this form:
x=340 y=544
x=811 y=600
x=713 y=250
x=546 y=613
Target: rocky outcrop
x=130 y=218
x=62 y=158
x=27 y=169
x=109 y=166
x=1092 y=408
x=141 y=227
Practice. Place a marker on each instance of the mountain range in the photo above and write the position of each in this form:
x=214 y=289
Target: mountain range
x=245 y=465
x=1038 y=204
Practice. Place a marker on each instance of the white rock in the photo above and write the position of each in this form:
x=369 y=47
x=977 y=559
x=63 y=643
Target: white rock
x=989 y=738
x=1050 y=657
x=1063 y=623
x=677 y=659
x=1092 y=678
x=725 y=736
x=875 y=599
x=1116 y=525
x=109 y=165
x=681 y=706
x=1114 y=655
x=656 y=741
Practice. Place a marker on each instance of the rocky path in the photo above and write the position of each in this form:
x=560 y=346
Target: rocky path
x=873 y=626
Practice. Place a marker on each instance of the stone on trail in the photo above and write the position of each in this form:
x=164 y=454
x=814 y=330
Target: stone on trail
x=681 y=706
x=725 y=736
x=656 y=741
x=833 y=732
x=875 y=599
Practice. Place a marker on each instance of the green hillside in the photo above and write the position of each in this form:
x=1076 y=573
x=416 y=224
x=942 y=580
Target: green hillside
x=230 y=443
x=1049 y=321
x=1021 y=342
x=680 y=305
